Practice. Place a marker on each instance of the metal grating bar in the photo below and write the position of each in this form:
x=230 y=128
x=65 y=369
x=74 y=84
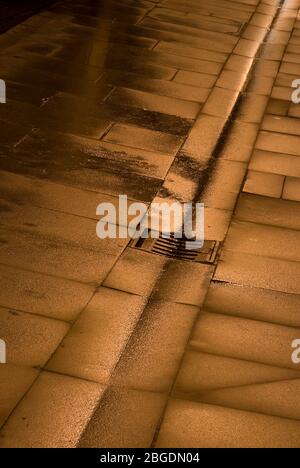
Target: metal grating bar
x=176 y=248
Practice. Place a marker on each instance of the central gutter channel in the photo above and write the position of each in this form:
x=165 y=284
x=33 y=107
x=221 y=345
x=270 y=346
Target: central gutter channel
x=207 y=174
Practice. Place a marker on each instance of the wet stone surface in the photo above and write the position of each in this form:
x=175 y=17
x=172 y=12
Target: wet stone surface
x=110 y=97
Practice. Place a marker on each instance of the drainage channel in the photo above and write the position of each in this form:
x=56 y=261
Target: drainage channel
x=176 y=248
x=210 y=169
x=207 y=174
x=208 y=253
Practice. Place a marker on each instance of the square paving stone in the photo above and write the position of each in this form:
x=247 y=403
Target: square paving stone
x=30 y=339
x=291 y=189
x=282 y=92
x=273 y=51
x=203 y=136
x=95 y=343
x=252 y=108
x=246 y=48
x=238 y=63
x=231 y=80
x=225 y=185
x=261 y=85
x=278 y=107
x=125 y=418
x=153 y=354
x=220 y=102
x=240 y=141
x=184 y=282
x=265 y=67
x=42 y=294
x=73 y=160
x=14 y=383
x=136 y=272
x=22 y=217
x=214 y=39
x=53 y=413
x=216 y=223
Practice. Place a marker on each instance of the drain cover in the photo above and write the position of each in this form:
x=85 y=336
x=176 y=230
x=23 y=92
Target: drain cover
x=176 y=248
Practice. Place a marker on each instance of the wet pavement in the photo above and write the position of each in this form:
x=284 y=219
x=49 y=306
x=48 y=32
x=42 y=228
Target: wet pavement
x=110 y=346
x=13 y=12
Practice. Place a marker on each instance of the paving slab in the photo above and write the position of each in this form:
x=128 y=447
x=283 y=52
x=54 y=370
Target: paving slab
x=261 y=272
x=278 y=143
x=30 y=339
x=225 y=185
x=49 y=255
x=203 y=372
x=253 y=108
x=52 y=414
x=148 y=101
x=124 y=418
x=239 y=144
x=261 y=183
x=14 y=383
x=251 y=340
x=275 y=212
x=143 y=139
x=188 y=51
x=278 y=107
x=18 y=190
x=94 y=344
x=276 y=398
x=43 y=294
x=195 y=79
x=136 y=272
x=187 y=86
x=282 y=124
x=259 y=239
x=276 y=163
x=189 y=424
x=153 y=354
x=203 y=136
x=175 y=283
x=291 y=190
x=253 y=303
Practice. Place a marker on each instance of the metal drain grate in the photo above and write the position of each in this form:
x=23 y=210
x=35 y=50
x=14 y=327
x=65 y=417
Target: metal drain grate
x=176 y=248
